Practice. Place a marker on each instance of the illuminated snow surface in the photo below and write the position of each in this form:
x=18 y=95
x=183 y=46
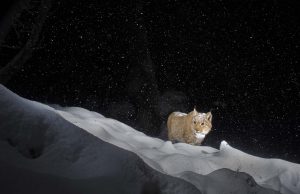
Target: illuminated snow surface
x=176 y=159
x=45 y=147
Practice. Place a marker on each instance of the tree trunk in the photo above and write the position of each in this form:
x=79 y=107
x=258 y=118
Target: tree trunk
x=143 y=85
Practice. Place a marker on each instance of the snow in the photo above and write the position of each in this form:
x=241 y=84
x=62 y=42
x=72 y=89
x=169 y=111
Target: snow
x=201 y=116
x=40 y=152
x=48 y=143
x=175 y=159
x=179 y=114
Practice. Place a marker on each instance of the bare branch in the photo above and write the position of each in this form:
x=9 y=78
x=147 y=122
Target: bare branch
x=26 y=52
x=10 y=46
x=9 y=19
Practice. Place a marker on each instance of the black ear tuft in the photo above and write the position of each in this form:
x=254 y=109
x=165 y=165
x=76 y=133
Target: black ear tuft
x=209 y=116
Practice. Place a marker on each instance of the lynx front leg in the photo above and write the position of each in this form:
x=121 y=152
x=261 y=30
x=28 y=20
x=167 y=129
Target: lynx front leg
x=175 y=141
x=190 y=139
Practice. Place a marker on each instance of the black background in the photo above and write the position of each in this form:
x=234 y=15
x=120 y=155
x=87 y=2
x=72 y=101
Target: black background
x=235 y=58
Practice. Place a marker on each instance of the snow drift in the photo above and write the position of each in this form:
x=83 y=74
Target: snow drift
x=44 y=150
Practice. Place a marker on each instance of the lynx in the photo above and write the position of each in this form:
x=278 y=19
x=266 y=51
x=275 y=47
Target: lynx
x=189 y=128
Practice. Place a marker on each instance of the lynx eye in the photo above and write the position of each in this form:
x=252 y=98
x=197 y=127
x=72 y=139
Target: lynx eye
x=202 y=123
x=194 y=122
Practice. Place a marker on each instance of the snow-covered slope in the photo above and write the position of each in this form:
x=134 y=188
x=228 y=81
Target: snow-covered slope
x=176 y=159
x=40 y=153
x=44 y=147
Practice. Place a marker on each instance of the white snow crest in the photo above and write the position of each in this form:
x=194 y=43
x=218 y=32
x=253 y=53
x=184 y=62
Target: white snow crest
x=203 y=166
x=175 y=159
x=179 y=114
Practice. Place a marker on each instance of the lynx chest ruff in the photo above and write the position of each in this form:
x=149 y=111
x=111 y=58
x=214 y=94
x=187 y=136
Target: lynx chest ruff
x=189 y=128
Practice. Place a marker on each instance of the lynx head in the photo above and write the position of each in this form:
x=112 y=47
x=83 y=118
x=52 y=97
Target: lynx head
x=201 y=123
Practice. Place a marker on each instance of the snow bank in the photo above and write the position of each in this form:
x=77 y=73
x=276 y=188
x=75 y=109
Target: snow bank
x=36 y=138
x=40 y=152
x=175 y=159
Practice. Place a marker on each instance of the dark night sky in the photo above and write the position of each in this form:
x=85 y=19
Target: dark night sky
x=236 y=58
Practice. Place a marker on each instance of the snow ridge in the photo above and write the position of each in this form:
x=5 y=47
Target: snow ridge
x=176 y=159
x=59 y=147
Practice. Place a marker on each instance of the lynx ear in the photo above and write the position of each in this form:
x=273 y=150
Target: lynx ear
x=194 y=111
x=209 y=116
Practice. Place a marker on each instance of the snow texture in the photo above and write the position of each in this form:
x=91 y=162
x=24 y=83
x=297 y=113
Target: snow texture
x=176 y=159
x=40 y=152
x=45 y=147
